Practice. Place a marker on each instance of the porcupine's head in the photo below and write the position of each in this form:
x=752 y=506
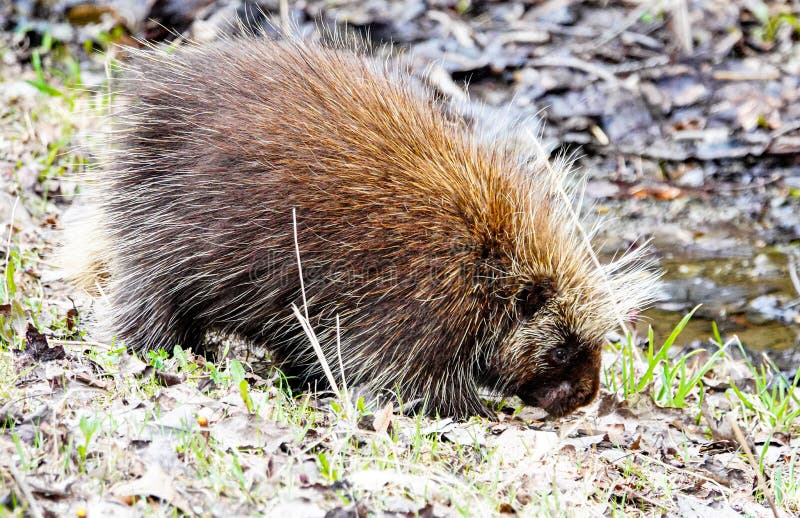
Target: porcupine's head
x=551 y=359
x=561 y=302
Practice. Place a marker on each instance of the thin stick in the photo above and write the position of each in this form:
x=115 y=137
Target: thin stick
x=752 y=460
x=682 y=26
x=299 y=265
x=33 y=505
x=305 y=321
x=79 y=343
x=629 y=20
x=312 y=337
x=578 y=64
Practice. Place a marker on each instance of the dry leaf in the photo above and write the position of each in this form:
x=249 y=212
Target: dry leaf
x=383 y=419
x=662 y=192
x=513 y=446
x=156 y=483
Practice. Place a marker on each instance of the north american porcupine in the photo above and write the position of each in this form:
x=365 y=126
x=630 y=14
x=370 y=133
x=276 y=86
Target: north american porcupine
x=453 y=264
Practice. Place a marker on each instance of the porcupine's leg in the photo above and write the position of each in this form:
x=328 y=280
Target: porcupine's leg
x=441 y=389
x=148 y=331
x=286 y=342
x=145 y=319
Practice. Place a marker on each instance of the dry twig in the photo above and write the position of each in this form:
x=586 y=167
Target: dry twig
x=762 y=484
x=34 y=508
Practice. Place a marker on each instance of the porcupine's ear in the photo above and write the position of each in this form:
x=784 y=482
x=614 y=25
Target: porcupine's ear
x=531 y=298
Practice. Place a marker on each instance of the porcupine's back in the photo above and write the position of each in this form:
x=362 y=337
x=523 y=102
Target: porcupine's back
x=409 y=229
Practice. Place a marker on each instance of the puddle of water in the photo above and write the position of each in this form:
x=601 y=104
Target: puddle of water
x=750 y=297
x=768 y=336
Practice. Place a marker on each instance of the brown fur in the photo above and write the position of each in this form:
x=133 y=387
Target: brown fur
x=452 y=264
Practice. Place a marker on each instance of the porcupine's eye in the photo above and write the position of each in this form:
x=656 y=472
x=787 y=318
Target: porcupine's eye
x=533 y=297
x=560 y=355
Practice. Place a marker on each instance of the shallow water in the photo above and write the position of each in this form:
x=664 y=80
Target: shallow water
x=751 y=297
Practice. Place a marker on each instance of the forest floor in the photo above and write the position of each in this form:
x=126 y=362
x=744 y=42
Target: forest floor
x=687 y=119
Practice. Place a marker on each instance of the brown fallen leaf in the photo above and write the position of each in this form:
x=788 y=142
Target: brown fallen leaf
x=661 y=192
x=85 y=14
x=583 y=443
x=34 y=340
x=155 y=483
x=72 y=314
x=691 y=506
x=130 y=365
x=383 y=419
x=91 y=381
x=242 y=430
x=36 y=345
x=50 y=486
x=720 y=429
x=532 y=413
x=506 y=508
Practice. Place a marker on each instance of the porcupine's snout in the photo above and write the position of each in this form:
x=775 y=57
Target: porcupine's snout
x=559 y=397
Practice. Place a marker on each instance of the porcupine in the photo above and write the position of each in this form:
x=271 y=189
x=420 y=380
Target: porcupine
x=454 y=264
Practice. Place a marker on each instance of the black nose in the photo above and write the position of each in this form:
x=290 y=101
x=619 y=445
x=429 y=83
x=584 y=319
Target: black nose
x=560 y=397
